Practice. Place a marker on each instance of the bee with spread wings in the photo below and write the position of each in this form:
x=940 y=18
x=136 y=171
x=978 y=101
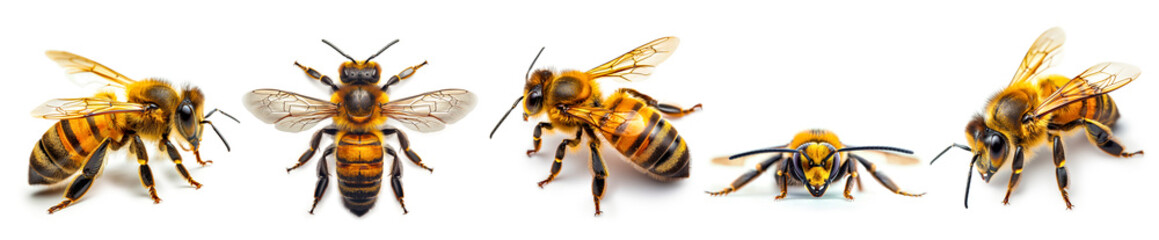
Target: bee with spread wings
x=1036 y=109
x=359 y=109
x=628 y=119
x=88 y=128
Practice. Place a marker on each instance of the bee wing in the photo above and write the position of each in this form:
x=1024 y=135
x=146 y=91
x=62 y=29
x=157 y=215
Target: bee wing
x=610 y=121
x=639 y=63
x=88 y=73
x=68 y=108
x=431 y=111
x=1097 y=80
x=893 y=157
x=290 y=112
x=1041 y=55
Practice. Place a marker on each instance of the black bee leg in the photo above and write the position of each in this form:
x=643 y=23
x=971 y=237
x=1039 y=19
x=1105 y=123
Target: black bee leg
x=1015 y=174
x=535 y=140
x=80 y=185
x=1101 y=136
x=396 y=177
x=137 y=147
x=747 y=176
x=403 y=75
x=404 y=143
x=1060 y=168
x=668 y=109
x=176 y=159
x=314 y=141
x=318 y=76
x=883 y=179
x=559 y=153
x=323 y=177
x=599 y=172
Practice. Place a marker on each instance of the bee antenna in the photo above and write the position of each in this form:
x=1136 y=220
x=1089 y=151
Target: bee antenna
x=528 y=74
x=222 y=113
x=382 y=50
x=963 y=147
x=505 y=116
x=969 y=178
x=768 y=150
x=218 y=134
x=339 y=51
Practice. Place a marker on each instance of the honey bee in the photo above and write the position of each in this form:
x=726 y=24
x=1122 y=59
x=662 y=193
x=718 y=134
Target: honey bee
x=1036 y=109
x=818 y=158
x=627 y=119
x=88 y=128
x=359 y=109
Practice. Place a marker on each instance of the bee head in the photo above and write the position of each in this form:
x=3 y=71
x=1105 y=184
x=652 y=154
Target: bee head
x=187 y=117
x=359 y=72
x=818 y=163
x=990 y=147
x=533 y=97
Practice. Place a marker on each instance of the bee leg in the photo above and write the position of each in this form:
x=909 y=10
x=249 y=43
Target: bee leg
x=396 y=178
x=668 y=109
x=1016 y=173
x=323 y=177
x=403 y=75
x=318 y=76
x=314 y=141
x=1101 y=136
x=144 y=172
x=884 y=180
x=1060 y=168
x=404 y=143
x=599 y=174
x=559 y=153
x=535 y=140
x=747 y=176
x=176 y=157
x=850 y=167
x=80 y=185
x=783 y=180
x=857 y=177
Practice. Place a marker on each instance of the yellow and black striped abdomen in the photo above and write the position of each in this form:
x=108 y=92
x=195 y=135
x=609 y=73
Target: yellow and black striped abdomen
x=64 y=147
x=656 y=148
x=1099 y=108
x=359 y=167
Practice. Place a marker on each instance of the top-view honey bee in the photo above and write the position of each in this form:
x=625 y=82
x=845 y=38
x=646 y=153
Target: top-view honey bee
x=1036 y=109
x=817 y=158
x=359 y=109
x=90 y=127
x=628 y=119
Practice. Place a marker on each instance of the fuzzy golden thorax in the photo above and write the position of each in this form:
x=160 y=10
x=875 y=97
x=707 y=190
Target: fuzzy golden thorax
x=160 y=101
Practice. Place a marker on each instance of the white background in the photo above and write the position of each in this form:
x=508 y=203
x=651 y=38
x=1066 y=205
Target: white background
x=905 y=74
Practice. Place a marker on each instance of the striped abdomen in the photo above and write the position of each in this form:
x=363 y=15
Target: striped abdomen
x=1099 y=108
x=359 y=167
x=64 y=147
x=656 y=148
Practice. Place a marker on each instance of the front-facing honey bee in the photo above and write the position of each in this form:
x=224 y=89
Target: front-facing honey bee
x=1034 y=110
x=817 y=158
x=359 y=109
x=90 y=127
x=628 y=119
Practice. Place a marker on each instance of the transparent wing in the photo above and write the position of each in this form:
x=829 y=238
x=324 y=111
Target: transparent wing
x=615 y=122
x=639 y=63
x=88 y=73
x=892 y=157
x=431 y=111
x=1041 y=55
x=290 y=112
x=67 y=108
x=1097 y=80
